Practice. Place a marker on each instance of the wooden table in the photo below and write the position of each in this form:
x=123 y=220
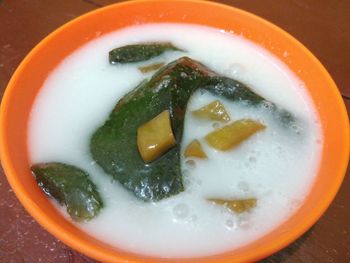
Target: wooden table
x=322 y=26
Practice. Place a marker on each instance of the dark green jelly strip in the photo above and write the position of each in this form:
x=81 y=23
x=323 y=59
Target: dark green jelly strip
x=70 y=186
x=139 y=52
x=113 y=146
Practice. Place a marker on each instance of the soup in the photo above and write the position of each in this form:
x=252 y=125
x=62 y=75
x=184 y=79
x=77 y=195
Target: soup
x=275 y=166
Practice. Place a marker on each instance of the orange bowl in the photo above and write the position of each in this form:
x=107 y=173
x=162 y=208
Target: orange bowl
x=30 y=75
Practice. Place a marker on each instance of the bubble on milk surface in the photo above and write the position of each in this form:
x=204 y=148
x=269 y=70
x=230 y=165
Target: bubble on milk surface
x=186 y=173
x=267 y=105
x=235 y=69
x=191 y=164
x=215 y=125
x=243 y=186
x=252 y=159
x=230 y=223
x=181 y=211
x=297 y=128
x=244 y=222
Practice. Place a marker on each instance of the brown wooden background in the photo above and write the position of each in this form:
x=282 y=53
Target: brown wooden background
x=321 y=25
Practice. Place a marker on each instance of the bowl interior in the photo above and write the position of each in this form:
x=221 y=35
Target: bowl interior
x=29 y=77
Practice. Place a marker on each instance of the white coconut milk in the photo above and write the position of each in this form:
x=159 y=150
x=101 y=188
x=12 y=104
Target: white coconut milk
x=275 y=166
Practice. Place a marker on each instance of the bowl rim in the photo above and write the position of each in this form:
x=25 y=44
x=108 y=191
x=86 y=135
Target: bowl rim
x=88 y=249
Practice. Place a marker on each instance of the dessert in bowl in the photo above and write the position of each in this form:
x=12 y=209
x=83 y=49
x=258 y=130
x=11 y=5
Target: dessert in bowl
x=28 y=132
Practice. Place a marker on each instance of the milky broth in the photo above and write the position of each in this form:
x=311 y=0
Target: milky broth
x=276 y=166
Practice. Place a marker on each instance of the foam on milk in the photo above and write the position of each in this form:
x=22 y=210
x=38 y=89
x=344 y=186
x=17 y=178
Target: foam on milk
x=275 y=166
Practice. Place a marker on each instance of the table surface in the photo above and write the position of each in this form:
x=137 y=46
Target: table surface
x=322 y=26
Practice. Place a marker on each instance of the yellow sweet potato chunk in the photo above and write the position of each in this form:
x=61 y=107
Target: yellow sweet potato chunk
x=152 y=67
x=213 y=111
x=194 y=149
x=236 y=205
x=233 y=134
x=155 y=137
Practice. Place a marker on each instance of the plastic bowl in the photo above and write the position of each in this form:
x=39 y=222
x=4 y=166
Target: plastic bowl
x=30 y=75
